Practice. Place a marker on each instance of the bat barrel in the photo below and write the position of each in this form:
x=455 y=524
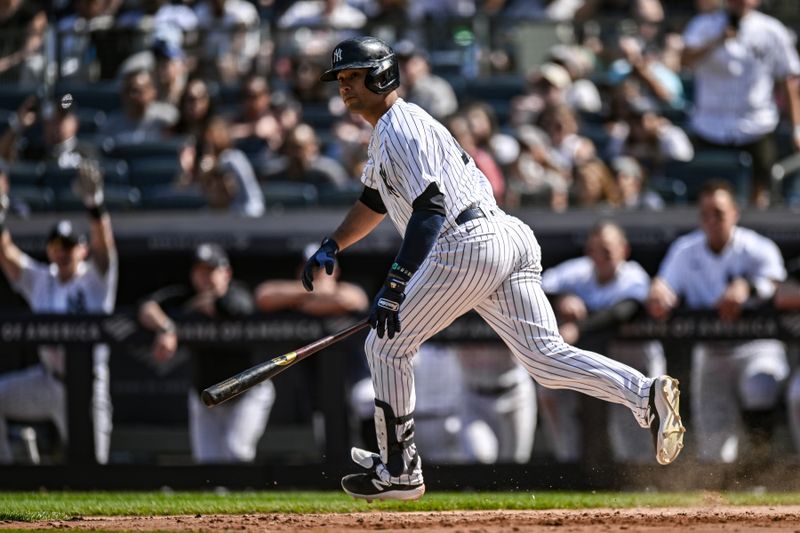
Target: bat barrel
x=233 y=386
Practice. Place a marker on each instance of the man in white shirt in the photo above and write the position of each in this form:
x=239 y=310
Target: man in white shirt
x=737 y=55
x=71 y=283
x=724 y=267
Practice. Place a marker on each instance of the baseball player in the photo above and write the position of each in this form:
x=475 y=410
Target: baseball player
x=229 y=433
x=459 y=252
x=723 y=266
x=787 y=298
x=73 y=282
x=499 y=409
x=593 y=294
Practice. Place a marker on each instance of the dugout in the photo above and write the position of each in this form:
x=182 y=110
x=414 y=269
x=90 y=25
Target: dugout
x=155 y=251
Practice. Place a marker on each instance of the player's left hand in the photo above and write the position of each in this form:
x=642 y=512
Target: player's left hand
x=734 y=297
x=385 y=313
x=324 y=256
x=88 y=185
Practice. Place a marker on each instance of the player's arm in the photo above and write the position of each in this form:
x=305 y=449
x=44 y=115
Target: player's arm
x=661 y=299
x=10 y=255
x=422 y=231
x=792 y=86
x=363 y=217
x=89 y=186
x=153 y=317
x=347 y=298
x=691 y=55
x=608 y=318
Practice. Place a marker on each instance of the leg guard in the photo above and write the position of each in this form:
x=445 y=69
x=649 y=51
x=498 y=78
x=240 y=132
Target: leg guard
x=396 y=444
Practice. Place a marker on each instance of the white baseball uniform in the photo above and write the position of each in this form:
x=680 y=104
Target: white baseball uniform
x=727 y=376
x=491 y=263
x=560 y=408
x=485 y=414
x=38 y=393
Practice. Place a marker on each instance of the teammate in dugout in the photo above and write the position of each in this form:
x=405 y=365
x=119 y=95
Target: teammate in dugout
x=81 y=277
x=592 y=295
x=459 y=252
x=229 y=433
x=725 y=267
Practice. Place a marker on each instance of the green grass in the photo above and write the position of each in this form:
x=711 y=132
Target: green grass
x=29 y=506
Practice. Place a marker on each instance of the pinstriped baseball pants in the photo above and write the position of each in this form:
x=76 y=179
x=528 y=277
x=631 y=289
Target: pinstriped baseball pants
x=493 y=265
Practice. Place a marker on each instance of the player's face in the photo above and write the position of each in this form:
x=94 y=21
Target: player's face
x=718 y=216
x=607 y=250
x=354 y=93
x=66 y=257
x=207 y=278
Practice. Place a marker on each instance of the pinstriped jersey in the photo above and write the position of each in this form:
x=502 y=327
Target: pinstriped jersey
x=408 y=151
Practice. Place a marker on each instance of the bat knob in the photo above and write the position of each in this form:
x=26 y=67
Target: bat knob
x=208 y=398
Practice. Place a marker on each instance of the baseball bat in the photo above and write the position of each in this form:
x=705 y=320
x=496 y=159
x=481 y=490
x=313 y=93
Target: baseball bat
x=235 y=385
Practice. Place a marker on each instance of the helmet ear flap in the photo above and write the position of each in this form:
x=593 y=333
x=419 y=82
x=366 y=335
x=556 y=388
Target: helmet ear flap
x=384 y=77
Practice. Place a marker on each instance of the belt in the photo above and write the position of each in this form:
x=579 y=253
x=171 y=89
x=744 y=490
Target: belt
x=470 y=213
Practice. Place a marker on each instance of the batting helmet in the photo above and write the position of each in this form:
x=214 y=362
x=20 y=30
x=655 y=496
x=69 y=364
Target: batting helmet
x=370 y=53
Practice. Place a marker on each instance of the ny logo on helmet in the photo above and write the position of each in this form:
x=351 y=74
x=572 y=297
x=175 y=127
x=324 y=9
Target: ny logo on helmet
x=337 y=55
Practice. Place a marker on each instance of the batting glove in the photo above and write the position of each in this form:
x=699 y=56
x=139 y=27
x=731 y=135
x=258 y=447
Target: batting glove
x=88 y=184
x=385 y=313
x=324 y=256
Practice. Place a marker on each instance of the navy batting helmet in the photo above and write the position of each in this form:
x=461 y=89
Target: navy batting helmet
x=370 y=53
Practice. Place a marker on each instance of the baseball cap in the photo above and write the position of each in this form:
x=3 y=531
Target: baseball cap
x=555 y=75
x=167 y=41
x=211 y=254
x=627 y=165
x=165 y=49
x=65 y=232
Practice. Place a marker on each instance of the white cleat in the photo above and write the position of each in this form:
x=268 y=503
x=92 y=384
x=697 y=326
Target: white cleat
x=666 y=424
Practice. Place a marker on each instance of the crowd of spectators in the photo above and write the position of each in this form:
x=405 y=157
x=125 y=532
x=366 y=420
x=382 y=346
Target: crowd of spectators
x=554 y=135
x=218 y=104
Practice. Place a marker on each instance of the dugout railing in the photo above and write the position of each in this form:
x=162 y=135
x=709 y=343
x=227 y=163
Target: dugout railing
x=272 y=332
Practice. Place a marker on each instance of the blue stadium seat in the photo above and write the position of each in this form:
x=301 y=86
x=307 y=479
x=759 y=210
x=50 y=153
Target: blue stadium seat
x=289 y=194
x=148 y=171
x=732 y=165
x=165 y=197
x=163 y=147
x=12 y=95
x=26 y=173
x=102 y=95
x=333 y=195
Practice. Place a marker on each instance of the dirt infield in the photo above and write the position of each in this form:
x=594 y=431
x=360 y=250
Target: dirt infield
x=711 y=519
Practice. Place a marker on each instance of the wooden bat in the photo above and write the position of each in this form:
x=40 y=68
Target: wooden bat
x=233 y=386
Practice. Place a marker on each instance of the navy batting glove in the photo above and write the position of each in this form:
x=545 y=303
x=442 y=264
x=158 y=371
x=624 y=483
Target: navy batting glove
x=385 y=313
x=325 y=256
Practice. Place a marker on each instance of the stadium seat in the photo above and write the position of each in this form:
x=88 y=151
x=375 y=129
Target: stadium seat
x=731 y=165
x=289 y=194
x=163 y=197
x=102 y=95
x=26 y=173
x=118 y=197
x=163 y=147
x=12 y=95
x=318 y=116
x=149 y=171
x=37 y=197
x=502 y=87
x=333 y=195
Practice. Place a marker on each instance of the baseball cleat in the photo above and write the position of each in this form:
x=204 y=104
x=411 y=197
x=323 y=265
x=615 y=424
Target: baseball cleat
x=371 y=487
x=666 y=423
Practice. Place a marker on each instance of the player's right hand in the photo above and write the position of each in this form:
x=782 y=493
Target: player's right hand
x=324 y=256
x=385 y=313
x=164 y=346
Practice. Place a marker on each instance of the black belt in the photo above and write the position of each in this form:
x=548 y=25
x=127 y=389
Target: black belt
x=470 y=213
